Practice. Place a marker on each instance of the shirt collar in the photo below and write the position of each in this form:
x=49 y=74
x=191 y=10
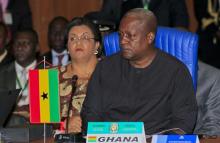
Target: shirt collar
x=31 y=66
x=55 y=54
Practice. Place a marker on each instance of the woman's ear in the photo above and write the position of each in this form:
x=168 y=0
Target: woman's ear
x=96 y=50
x=97 y=45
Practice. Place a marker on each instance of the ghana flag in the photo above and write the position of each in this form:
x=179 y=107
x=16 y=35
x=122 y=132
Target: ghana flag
x=44 y=96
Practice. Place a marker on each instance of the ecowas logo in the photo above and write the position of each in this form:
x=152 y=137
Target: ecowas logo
x=113 y=139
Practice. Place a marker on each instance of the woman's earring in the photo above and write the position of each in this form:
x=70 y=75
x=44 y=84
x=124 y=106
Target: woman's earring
x=96 y=52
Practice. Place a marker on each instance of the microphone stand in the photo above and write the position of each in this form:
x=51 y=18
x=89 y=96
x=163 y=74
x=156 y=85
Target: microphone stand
x=70 y=138
x=74 y=80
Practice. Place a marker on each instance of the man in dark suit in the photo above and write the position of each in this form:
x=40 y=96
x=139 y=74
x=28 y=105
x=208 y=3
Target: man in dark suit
x=18 y=15
x=15 y=74
x=207 y=13
x=58 y=54
x=171 y=13
x=5 y=56
x=208 y=99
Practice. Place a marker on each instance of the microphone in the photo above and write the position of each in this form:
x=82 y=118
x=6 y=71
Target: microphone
x=74 y=81
x=75 y=138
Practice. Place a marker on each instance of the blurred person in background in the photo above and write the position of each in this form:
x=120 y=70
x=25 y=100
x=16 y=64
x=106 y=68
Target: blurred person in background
x=15 y=74
x=16 y=14
x=208 y=91
x=58 y=54
x=208 y=15
x=5 y=56
x=208 y=99
x=170 y=13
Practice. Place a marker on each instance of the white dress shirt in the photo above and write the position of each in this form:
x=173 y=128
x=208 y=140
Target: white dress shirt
x=65 y=59
x=22 y=81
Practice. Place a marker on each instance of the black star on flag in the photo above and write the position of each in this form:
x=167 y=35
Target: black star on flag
x=44 y=96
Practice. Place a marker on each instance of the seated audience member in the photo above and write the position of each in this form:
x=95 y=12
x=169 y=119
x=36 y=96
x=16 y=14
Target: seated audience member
x=15 y=74
x=171 y=13
x=141 y=83
x=17 y=14
x=83 y=41
x=208 y=99
x=207 y=13
x=5 y=56
x=58 y=54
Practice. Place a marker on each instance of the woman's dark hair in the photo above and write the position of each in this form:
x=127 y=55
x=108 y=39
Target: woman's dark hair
x=78 y=21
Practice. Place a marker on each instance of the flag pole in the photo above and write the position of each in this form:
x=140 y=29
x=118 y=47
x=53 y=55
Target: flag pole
x=44 y=133
x=44 y=62
x=44 y=123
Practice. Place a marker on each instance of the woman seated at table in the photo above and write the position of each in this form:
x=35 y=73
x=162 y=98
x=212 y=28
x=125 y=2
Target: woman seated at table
x=83 y=42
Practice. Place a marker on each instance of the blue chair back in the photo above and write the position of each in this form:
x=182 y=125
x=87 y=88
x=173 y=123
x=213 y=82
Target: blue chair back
x=181 y=44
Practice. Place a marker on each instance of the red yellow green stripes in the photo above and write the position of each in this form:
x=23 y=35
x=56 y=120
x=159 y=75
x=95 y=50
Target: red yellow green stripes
x=34 y=96
x=44 y=96
x=54 y=90
x=92 y=139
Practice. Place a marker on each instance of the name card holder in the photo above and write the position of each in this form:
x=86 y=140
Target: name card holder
x=113 y=132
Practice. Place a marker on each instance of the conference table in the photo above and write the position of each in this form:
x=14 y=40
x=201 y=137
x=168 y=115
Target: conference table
x=207 y=139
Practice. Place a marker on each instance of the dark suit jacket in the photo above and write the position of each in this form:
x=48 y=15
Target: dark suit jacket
x=8 y=77
x=8 y=59
x=8 y=82
x=21 y=14
x=208 y=99
x=171 y=13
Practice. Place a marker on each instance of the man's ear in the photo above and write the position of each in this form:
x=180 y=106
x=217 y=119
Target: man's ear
x=150 y=37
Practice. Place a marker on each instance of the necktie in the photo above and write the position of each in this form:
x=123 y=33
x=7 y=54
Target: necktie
x=24 y=77
x=23 y=84
x=60 y=58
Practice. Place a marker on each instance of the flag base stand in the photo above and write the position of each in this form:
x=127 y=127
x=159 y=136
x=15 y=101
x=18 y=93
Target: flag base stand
x=69 y=138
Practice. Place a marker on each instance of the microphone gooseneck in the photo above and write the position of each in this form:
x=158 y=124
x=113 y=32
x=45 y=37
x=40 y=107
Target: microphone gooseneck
x=74 y=81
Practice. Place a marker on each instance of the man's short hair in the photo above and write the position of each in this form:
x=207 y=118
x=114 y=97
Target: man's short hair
x=30 y=31
x=146 y=17
x=58 y=18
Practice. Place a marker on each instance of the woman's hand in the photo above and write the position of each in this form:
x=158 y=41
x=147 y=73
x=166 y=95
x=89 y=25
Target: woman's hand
x=75 y=124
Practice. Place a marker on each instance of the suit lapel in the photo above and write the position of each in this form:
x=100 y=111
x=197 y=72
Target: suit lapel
x=11 y=76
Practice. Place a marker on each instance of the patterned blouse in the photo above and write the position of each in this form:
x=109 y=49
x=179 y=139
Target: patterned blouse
x=65 y=88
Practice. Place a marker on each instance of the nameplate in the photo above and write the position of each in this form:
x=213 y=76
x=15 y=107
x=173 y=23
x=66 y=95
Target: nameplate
x=111 y=132
x=175 y=139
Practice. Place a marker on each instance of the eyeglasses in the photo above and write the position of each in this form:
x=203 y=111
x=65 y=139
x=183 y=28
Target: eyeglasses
x=128 y=36
x=84 y=38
